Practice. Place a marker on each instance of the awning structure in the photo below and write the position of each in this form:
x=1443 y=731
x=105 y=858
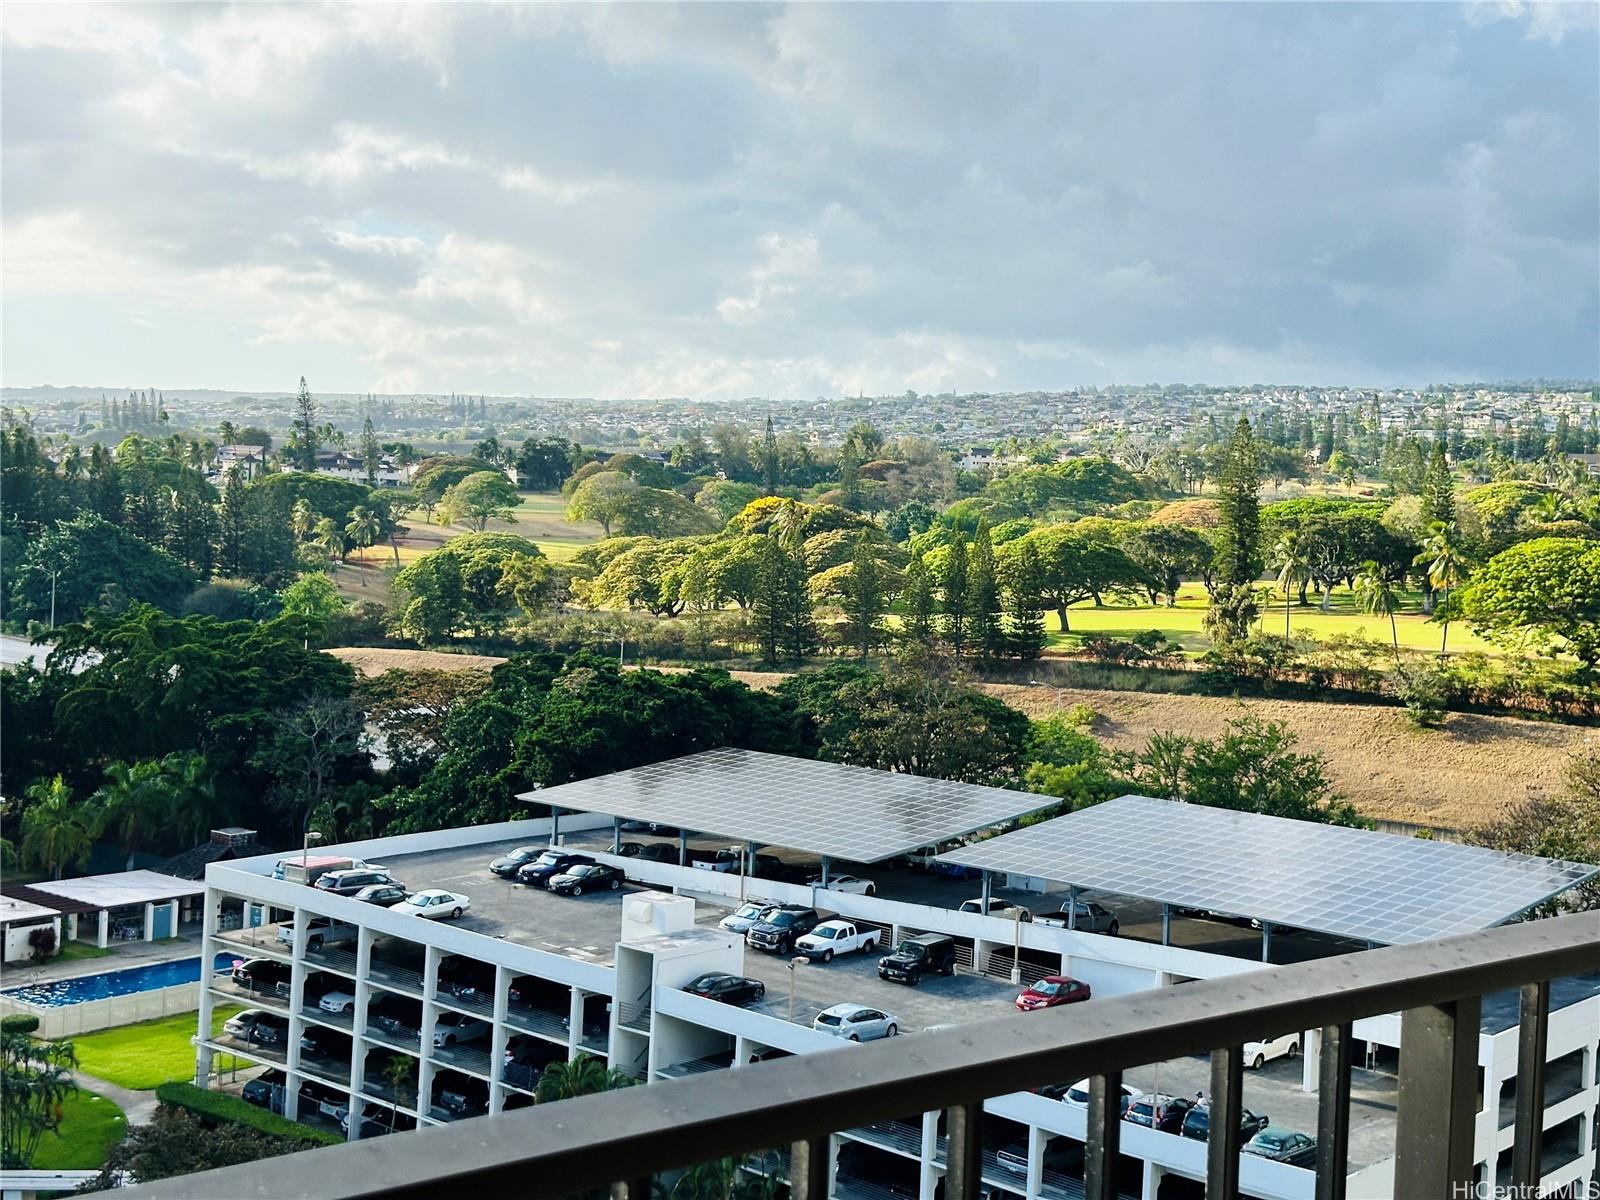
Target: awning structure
x=851 y=814
x=1355 y=883
x=118 y=890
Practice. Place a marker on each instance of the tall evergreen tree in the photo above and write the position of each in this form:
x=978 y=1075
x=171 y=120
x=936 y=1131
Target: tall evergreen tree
x=1238 y=560
x=1025 y=609
x=780 y=611
x=864 y=599
x=305 y=428
x=954 y=601
x=231 y=527
x=1438 y=489
x=919 y=603
x=370 y=453
x=769 y=460
x=983 y=598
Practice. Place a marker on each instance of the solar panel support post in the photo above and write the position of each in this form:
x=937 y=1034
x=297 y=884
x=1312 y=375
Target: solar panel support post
x=1166 y=924
x=1072 y=906
x=824 y=872
x=987 y=889
x=555 y=825
x=683 y=848
x=1266 y=941
x=616 y=835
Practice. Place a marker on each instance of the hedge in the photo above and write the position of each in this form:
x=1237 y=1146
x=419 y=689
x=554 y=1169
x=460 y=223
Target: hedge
x=219 y=1106
x=19 y=1023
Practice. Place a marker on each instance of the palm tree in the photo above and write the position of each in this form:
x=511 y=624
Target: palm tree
x=56 y=832
x=329 y=537
x=227 y=432
x=582 y=1076
x=130 y=803
x=192 y=784
x=1447 y=565
x=301 y=520
x=1375 y=593
x=363 y=530
x=73 y=464
x=1293 y=567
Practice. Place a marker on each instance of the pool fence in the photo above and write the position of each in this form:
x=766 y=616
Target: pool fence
x=67 y=1020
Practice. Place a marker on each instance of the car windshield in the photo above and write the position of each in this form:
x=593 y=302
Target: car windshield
x=828 y=1019
x=748 y=910
x=522 y=853
x=783 y=919
x=1272 y=1141
x=911 y=950
x=550 y=860
x=1046 y=988
x=826 y=933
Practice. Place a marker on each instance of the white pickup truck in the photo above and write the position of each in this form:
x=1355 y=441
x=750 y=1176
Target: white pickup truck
x=320 y=932
x=837 y=937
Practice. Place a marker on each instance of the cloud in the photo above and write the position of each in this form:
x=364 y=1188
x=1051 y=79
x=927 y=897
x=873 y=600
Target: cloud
x=725 y=200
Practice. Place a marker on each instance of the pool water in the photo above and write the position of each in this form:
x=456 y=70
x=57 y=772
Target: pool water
x=105 y=984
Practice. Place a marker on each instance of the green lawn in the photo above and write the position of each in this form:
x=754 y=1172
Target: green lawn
x=73 y=951
x=90 y=1126
x=1184 y=623
x=149 y=1053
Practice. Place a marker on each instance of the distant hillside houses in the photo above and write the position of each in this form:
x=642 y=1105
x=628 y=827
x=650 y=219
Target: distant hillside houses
x=341 y=464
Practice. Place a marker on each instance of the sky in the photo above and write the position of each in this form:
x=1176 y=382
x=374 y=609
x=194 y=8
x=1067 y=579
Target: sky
x=731 y=200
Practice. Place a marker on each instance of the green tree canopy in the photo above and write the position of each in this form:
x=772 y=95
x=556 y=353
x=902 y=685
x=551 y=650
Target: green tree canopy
x=1546 y=591
x=88 y=554
x=478 y=581
x=478 y=499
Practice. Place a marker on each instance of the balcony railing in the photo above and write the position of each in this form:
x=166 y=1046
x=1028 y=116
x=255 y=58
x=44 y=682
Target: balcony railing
x=800 y=1101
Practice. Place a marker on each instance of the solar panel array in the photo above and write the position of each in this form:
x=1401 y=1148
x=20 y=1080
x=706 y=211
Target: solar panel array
x=1354 y=883
x=849 y=813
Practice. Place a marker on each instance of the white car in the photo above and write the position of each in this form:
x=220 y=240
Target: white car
x=1078 y=1095
x=746 y=915
x=337 y=1002
x=856 y=1023
x=852 y=884
x=837 y=937
x=453 y=1027
x=435 y=903
x=1258 y=1054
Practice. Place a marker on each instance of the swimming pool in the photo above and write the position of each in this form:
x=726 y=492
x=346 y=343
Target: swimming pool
x=105 y=984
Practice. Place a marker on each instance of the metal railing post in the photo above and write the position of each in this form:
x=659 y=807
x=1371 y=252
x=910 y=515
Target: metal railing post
x=964 y=1129
x=808 y=1169
x=1104 y=1137
x=1437 y=1098
x=1532 y=1038
x=1333 y=1112
x=1227 y=1112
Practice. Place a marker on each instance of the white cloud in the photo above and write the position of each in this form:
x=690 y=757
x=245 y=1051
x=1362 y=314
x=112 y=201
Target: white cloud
x=730 y=200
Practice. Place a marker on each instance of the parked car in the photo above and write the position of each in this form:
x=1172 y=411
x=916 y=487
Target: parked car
x=470 y=979
x=320 y=932
x=435 y=904
x=461 y=1094
x=320 y=1098
x=649 y=851
x=588 y=877
x=453 y=1027
x=507 y=865
x=386 y=894
x=256 y=1027
x=919 y=955
x=377 y=1120
x=317 y=985
x=1077 y=1094
x=775 y=869
x=1283 y=1145
x=308 y=868
x=747 y=914
x=1197 y=1123
x=730 y=989
x=838 y=937
x=526 y=1058
x=337 y=1001
x=265 y=1091
x=262 y=975
x=853 y=884
x=1092 y=918
x=1258 y=1054
x=856 y=1022
x=778 y=929
x=395 y=1015
x=1155 y=1111
x=326 y=1043
x=998 y=908
x=548 y=865
x=1052 y=992
x=1060 y=1155
x=727 y=861
x=351 y=880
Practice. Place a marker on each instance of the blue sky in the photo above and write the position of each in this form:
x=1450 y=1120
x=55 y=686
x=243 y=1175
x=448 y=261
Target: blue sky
x=734 y=200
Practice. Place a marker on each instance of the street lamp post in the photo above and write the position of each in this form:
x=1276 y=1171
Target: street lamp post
x=54 y=575
x=305 y=850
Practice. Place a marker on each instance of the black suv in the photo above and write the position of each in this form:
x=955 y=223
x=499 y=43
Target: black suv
x=778 y=929
x=1197 y=1124
x=919 y=955
x=264 y=975
x=548 y=865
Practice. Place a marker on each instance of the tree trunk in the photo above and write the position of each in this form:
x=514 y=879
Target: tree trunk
x=1443 y=638
x=1327 y=596
x=1061 y=611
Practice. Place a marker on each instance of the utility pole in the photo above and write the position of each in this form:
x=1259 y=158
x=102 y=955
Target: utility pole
x=54 y=574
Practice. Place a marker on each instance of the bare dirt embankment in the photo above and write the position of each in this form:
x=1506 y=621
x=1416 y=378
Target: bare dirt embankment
x=1455 y=777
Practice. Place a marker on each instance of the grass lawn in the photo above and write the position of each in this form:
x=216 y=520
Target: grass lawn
x=149 y=1053
x=73 y=951
x=1184 y=623
x=90 y=1126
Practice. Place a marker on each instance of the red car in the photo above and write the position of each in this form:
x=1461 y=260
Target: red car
x=1051 y=991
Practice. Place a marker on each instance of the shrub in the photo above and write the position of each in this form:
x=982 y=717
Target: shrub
x=19 y=1023
x=42 y=941
x=1421 y=689
x=215 y=1107
x=1147 y=648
